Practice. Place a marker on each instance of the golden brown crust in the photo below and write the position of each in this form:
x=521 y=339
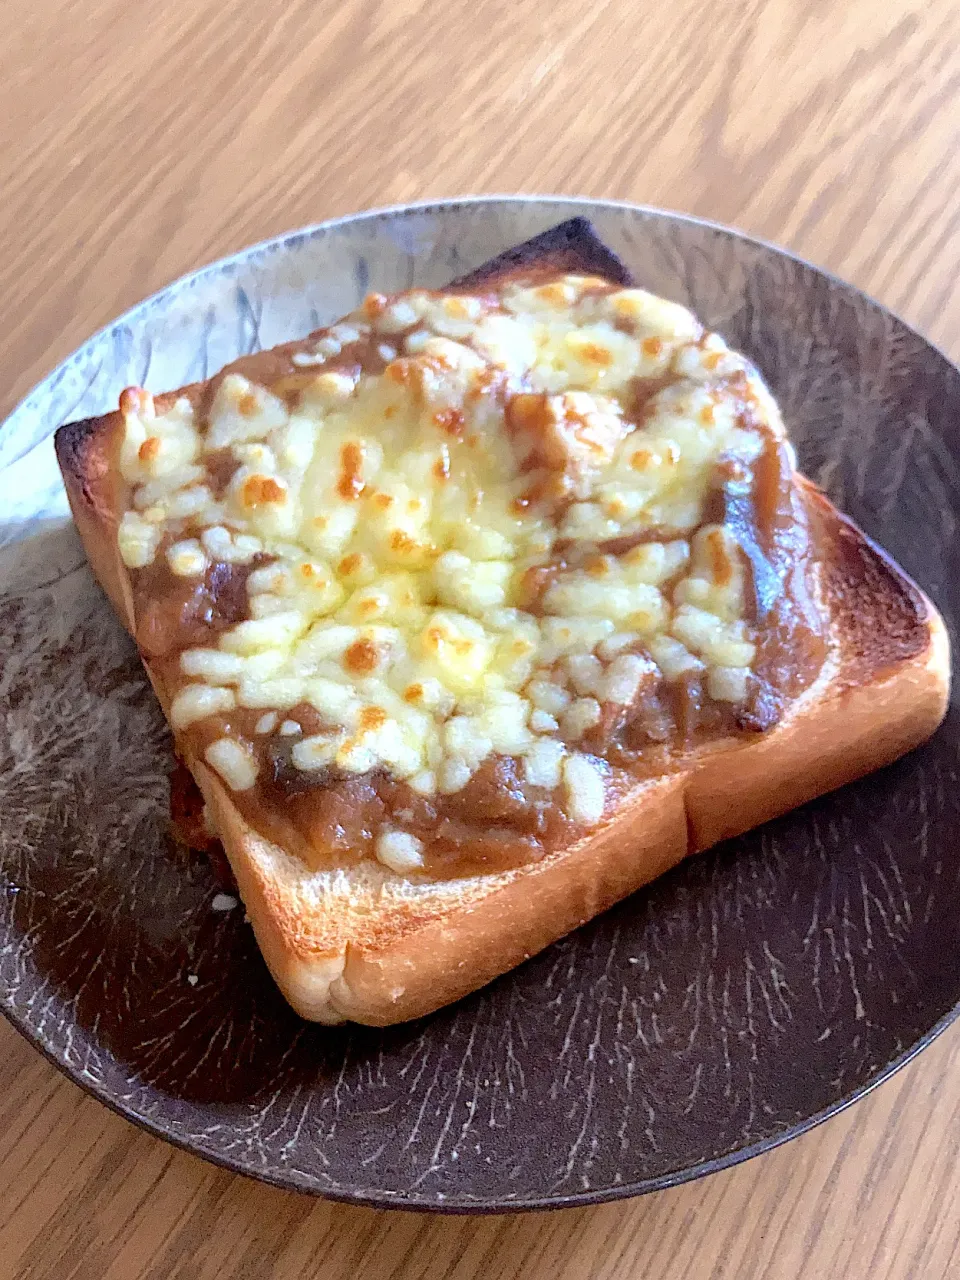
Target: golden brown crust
x=373 y=948
x=840 y=732
x=85 y=452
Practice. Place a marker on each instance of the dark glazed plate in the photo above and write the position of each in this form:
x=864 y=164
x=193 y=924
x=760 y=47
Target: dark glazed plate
x=739 y=1000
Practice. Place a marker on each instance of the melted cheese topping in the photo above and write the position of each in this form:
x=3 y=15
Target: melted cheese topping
x=482 y=533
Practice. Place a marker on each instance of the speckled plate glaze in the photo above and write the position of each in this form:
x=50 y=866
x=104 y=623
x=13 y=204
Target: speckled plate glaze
x=735 y=1003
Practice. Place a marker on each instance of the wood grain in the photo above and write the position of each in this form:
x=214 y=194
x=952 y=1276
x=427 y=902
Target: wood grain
x=137 y=142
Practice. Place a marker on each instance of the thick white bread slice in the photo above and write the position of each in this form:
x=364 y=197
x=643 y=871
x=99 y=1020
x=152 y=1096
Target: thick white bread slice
x=367 y=945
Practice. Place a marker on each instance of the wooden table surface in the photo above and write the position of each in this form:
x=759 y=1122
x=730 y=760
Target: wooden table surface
x=138 y=141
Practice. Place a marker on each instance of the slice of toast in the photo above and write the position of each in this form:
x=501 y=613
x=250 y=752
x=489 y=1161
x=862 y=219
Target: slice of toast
x=365 y=944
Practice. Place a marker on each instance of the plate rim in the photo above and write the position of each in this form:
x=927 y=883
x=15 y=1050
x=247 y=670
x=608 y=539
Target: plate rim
x=377 y=212
x=292 y=1180
x=461 y=1206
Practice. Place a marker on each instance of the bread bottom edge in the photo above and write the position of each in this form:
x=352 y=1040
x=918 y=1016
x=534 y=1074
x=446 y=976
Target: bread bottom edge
x=724 y=794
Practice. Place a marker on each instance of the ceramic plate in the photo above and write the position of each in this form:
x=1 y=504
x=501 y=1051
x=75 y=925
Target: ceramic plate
x=736 y=1002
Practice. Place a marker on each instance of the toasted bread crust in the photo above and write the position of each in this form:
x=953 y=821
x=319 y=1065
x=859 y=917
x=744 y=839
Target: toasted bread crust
x=370 y=947
x=572 y=247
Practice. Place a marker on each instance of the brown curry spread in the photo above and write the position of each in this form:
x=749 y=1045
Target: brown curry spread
x=497 y=820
